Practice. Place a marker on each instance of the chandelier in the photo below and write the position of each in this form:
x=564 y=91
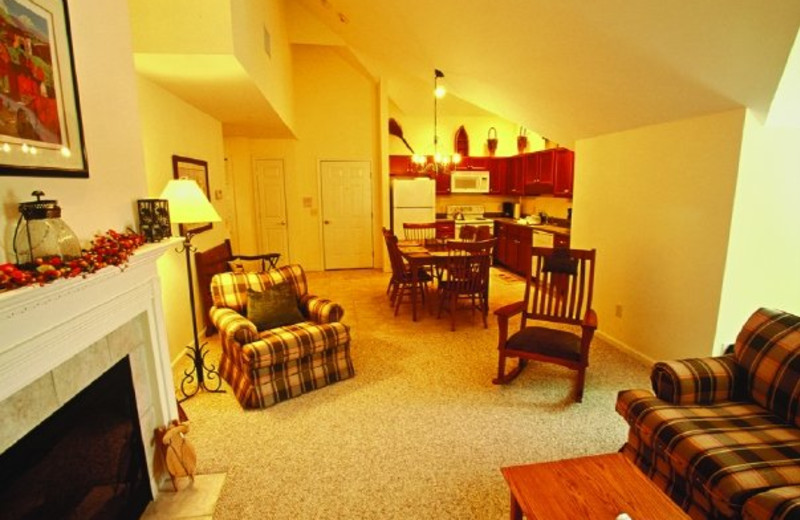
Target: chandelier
x=439 y=163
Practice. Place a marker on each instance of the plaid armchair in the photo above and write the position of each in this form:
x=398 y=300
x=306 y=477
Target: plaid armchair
x=721 y=435
x=267 y=367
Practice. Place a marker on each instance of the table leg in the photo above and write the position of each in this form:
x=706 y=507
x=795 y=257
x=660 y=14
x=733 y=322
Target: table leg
x=414 y=282
x=516 y=511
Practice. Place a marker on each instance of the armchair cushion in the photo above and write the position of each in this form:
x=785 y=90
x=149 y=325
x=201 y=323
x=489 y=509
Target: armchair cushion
x=549 y=342
x=276 y=306
x=698 y=380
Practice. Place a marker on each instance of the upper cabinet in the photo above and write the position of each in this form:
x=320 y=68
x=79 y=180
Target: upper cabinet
x=564 y=172
x=546 y=172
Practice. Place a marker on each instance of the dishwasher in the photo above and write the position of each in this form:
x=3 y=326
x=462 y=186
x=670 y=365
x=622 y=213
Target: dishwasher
x=542 y=239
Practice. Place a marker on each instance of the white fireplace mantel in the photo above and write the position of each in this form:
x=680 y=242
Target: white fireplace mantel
x=43 y=326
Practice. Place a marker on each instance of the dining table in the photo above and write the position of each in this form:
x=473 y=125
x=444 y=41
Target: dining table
x=421 y=255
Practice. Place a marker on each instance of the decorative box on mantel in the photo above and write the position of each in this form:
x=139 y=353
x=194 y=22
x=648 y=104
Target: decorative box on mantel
x=58 y=338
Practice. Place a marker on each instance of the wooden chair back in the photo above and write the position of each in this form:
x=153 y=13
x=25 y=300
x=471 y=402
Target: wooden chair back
x=467 y=266
x=483 y=233
x=467 y=232
x=559 y=285
x=395 y=258
x=419 y=230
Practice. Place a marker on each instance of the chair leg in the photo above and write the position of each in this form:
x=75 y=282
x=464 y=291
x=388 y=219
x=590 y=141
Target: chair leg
x=581 y=382
x=453 y=300
x=503 y=378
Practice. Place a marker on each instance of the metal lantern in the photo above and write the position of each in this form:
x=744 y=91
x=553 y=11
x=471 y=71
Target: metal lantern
x=40 y=232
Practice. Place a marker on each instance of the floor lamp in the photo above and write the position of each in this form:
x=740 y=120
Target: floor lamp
x=188 y=205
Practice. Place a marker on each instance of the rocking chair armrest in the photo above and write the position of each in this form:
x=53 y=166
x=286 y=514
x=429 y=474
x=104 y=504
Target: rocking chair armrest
x=507 y=311
x=590 y=320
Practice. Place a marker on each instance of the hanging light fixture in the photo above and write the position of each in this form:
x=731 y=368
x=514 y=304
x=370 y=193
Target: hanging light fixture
x=441 y=163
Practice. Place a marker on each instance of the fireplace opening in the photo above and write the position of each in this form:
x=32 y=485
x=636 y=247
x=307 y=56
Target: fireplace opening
x=84 y=461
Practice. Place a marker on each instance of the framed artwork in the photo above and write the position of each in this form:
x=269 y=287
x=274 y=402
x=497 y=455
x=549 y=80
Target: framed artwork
x=41 y=133
x=196 y=170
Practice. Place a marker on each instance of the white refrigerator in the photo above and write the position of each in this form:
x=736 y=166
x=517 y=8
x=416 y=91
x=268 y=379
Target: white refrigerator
x=413 y=200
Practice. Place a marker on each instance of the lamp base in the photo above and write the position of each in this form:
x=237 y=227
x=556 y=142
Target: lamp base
x=200 y=376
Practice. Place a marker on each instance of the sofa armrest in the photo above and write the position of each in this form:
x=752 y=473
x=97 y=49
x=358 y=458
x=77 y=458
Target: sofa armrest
x=321 y=310
x=232 y=326
x=698 y=380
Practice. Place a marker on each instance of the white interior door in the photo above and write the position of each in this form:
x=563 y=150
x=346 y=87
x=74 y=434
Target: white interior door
x=270 y=208
x=346 y=214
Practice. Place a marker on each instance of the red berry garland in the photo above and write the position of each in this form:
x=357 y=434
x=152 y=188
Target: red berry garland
x=113 y=248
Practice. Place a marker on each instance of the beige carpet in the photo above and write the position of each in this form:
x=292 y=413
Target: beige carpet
x=419 y=432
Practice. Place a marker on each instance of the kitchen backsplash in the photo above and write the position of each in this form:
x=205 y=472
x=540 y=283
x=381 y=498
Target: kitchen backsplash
x=553 y=206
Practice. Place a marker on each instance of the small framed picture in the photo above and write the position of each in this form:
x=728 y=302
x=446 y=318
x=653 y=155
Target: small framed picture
x=154 y=222
x=197 y=170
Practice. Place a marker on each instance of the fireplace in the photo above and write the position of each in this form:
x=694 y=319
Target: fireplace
x=84 y=461
x=61 y=339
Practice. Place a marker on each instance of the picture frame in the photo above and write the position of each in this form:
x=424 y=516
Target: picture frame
x=197 y=170
x=39 y=93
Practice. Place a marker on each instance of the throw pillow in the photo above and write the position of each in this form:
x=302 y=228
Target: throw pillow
x=275 y=307
x=246 y=266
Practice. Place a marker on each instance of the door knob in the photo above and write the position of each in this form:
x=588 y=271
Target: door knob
x=327 y=222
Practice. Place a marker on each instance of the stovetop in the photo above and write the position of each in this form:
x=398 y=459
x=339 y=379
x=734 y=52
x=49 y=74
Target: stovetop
x=467 y=214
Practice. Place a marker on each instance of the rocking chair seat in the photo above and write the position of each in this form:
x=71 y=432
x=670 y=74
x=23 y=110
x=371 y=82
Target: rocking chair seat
x=552 y=343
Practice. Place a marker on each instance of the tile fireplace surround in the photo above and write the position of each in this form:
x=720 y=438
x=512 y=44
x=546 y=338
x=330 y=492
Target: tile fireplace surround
x=56 y=339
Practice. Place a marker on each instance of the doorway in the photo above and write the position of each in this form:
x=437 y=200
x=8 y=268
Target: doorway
x=347 y=214
x=270 y=208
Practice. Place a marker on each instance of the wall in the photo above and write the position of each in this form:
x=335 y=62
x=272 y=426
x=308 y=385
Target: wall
x=172 y=127
x=337 y=122
x=270 y=72
x=656 y=202
x=764 y=252
x=101 y=38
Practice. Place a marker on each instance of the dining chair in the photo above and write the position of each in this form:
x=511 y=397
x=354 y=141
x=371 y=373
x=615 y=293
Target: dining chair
x=420 y=231
x=466 y=277
x=483 y=233
x=402 y=279
x=558 y=292
x=467 y=232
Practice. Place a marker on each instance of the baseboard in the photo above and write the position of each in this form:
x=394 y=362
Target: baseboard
x=177 y=359
x=619 y=345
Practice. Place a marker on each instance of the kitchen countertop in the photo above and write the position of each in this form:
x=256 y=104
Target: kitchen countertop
x=547 y=228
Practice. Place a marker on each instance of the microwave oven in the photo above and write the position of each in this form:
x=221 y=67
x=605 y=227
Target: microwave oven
x=471 y=181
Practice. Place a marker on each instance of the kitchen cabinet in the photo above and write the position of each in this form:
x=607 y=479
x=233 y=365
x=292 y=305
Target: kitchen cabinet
x=524 y=241
x=564 y=172
x=516 y=175
x=442 y=183
x=498 y=175
x=561 y=240
x=474 y=163
x=445 y=229
x=539 y=172
x=400 y=165
x=501 y=234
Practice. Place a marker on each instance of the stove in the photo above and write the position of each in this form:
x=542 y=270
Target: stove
x=469 y=215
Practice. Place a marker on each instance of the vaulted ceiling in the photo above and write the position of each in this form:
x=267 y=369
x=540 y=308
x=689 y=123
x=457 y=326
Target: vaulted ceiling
x=566 y=69
x=572 y=69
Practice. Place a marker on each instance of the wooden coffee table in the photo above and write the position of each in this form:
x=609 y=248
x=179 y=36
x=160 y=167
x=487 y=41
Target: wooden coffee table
x=600 y=486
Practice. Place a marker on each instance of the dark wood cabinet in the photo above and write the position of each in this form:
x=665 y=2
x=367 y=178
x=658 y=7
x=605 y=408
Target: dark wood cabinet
x=498 y=175
x=525 y=236
x=539 y=168
x=516 y=175
x=564 y=172
x=501 y=234
x=560 y=240
x=400 y=165
x=442 y=183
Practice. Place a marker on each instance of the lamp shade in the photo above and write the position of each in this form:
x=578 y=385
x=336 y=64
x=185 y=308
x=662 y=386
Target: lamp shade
x=187 y=203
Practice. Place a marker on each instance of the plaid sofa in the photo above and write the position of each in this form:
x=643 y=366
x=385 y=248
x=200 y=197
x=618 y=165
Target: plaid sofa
x=277 y=364
x=721 y=435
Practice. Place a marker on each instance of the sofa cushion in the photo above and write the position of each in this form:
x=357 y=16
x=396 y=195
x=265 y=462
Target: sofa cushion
x=729 y=451
x=768 y=349
x=781 y=503
x=273 y=307
x=698 y=380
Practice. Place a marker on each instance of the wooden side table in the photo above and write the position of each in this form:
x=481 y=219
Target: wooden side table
x=599 y=486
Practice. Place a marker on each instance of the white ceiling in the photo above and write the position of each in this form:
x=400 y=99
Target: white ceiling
x=566 y=69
